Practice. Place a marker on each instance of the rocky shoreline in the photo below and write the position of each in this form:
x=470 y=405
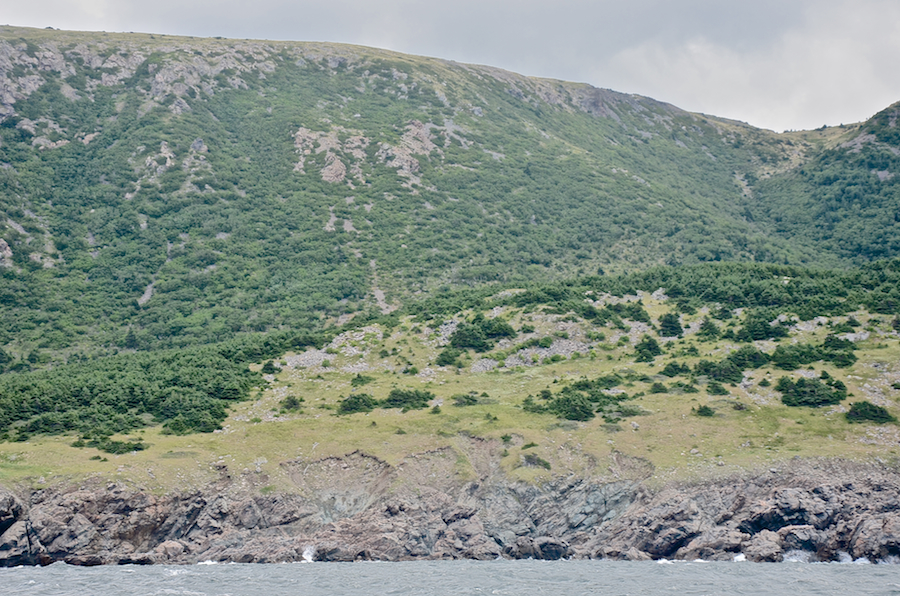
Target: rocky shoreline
x=357 y=507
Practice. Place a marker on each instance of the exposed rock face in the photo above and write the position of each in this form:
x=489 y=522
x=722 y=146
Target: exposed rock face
x=357 y=507
x=821 y=507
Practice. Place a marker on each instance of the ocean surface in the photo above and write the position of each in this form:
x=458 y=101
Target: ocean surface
x=513 y=578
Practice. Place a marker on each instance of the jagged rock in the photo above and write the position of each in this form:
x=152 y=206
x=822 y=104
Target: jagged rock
x=633 y=554
x=551 y=549
x=716 y=544
x=764 y=547
x=10 y=507
x=790 y=506
x=170 y=549
x=801 y=538
x=91 y=560
x=20 y=546
x=340 y=553
x=877 y=537
x=629 y=554
x=357 y=507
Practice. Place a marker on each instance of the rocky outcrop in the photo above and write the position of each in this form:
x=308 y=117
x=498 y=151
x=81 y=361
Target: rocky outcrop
x=824 y=508
x=360 y=508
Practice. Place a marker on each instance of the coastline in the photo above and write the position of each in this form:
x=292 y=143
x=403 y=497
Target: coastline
x=357 y=507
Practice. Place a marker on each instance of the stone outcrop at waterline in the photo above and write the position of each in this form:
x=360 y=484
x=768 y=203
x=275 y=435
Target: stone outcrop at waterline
x=360 y=508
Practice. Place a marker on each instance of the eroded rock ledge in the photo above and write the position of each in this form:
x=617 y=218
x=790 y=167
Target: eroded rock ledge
x=360 y=508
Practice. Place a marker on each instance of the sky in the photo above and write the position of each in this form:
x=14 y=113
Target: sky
x=777 y=64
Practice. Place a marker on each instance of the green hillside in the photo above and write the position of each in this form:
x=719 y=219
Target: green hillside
x=730 y=367
x=275 y=240
x=160 y=192
x=844 y=199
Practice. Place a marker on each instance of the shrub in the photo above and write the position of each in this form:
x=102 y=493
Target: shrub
x=360 y=402
x=864 y=411
x=708 y=329
x=480 y=333
x=670 y=325
x=705 y=411
x=117 y=447
x=469 y=336
x=647 y=349
x=748 y=357
x=658 y=388
x=269 y=368
x=533 y=460
x=757 y=327
x=449 y=357
x=714 y=388
x=725 y=371
x=408 y=399
x=811 y=392
x=360 y=380
x=464 y=399
x=291 y=403
x=572 y=406
x=673 y=369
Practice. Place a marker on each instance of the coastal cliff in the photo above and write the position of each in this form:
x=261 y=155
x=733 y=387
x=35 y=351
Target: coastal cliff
x=357 y=507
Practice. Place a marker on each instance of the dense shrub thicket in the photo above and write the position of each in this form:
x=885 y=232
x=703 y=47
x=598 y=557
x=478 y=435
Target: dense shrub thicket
x=407 y=399
x=184 y=390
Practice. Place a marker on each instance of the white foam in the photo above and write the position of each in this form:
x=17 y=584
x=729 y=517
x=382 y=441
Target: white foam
x=798 y=556
x=309 y=554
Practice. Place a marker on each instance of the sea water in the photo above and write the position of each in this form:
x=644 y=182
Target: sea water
x=501 y=577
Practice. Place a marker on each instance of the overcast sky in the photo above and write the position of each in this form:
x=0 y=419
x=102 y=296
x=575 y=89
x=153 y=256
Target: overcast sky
x=778 y=64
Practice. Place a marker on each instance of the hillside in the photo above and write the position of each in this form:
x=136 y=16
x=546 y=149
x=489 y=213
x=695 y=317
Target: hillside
x=161 y=192
x=736 y=411
x=720 y=365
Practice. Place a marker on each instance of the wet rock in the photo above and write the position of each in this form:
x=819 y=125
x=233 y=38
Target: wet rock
x=91 y=560
x=764 y=547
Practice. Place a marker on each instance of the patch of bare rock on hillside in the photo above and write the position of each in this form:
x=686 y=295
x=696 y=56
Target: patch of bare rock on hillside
x=358 y=507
